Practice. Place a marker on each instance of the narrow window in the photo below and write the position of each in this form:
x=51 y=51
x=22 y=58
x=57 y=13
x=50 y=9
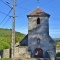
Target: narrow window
x=38 y=41
x=38 y=20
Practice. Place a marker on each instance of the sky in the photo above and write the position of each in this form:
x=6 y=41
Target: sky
x=25 y=7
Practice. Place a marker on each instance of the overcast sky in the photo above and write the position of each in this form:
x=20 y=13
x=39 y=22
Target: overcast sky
x=25 y=7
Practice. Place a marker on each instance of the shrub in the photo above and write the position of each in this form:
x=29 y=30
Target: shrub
x=4 y=45
x=58 y=54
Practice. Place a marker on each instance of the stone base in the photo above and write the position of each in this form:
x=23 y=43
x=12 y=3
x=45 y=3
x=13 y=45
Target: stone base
x=52 y=58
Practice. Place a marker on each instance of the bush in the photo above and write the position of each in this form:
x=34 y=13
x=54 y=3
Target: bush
x=58 y=54
x=4 y=45
x=58 y=44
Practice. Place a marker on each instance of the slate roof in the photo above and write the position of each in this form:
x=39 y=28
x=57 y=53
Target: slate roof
x=38 y=12
x=24 y=42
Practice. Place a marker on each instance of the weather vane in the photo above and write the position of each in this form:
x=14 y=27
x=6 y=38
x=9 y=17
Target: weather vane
x=38 y=2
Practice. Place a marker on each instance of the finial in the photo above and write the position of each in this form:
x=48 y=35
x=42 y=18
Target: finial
x=38 y=3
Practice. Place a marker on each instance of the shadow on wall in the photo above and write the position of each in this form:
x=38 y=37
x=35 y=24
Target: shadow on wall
x=1 y=54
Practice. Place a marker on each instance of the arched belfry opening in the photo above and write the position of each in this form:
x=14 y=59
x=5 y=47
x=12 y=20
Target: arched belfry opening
x=38 y=20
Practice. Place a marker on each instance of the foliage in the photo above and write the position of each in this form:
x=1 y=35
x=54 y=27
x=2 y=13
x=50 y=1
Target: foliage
x=4 y=45
x=57 y=40
x=57 y=43
x=6 y=37
x=58 y=54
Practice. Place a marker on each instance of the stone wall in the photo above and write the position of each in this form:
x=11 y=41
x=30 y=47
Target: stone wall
x=20 y=50
x=6 y=53
x=16 y=53
x=23 y=49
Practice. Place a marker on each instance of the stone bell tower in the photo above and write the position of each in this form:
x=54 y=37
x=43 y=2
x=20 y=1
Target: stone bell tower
x=40 y=44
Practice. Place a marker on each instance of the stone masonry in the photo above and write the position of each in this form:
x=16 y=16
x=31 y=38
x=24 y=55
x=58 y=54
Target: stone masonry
x=38 y=35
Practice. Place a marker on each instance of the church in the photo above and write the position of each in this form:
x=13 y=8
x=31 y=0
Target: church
x=38 y=40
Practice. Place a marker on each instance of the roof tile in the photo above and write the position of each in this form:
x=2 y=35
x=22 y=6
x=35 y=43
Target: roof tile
x=38 y=12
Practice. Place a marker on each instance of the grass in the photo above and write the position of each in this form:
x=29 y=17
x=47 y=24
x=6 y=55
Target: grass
x=5 y=59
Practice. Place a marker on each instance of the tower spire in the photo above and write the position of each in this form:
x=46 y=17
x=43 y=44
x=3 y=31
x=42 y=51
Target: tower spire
x=38 y=3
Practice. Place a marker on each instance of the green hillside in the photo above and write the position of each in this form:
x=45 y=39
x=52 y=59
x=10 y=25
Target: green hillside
x=5 y=38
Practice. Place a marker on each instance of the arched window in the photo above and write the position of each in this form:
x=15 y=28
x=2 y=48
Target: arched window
x=38 y=20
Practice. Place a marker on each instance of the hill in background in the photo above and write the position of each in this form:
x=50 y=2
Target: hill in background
x=56 y=39
x=6 y=37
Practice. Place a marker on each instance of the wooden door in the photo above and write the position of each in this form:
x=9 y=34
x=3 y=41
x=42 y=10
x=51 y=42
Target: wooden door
x=38 y=53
